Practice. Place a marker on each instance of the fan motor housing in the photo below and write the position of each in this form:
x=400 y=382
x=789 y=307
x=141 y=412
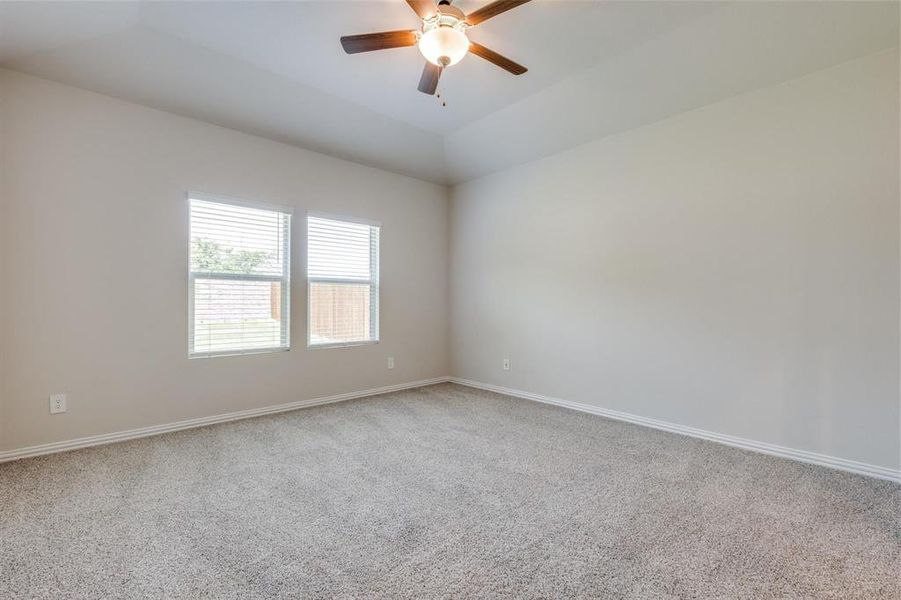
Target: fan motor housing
x=447 y=16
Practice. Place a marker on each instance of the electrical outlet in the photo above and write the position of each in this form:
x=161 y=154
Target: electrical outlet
x=57 y=403
x=390 y=362
x=506 y=364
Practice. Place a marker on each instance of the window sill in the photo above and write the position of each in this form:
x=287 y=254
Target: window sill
x=194 y=355
x=341 y=344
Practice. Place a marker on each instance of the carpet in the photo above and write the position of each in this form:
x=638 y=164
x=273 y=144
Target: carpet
x=442 y=491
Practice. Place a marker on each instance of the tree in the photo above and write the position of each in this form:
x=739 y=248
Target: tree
x=210 y=257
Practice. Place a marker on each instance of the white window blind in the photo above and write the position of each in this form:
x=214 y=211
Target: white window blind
x=343 y=281
x=239 y=278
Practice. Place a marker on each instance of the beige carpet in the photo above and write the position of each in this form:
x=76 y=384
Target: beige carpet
x=440 y=492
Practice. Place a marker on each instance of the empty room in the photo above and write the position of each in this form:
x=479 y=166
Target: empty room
x=450 y=299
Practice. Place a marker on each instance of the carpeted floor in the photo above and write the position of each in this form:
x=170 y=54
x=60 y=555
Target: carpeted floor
x=438 y=492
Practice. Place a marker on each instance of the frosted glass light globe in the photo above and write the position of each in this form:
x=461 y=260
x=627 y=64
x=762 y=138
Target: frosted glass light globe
x=444 y=46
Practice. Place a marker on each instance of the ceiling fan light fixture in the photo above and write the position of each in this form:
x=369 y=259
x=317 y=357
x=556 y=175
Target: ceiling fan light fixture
x=442 y=40
x=444 y=46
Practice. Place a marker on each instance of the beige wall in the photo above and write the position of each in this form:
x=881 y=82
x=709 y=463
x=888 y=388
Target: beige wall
x=94 y=238
x=733 y=269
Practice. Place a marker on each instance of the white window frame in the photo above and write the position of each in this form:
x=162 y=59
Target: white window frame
x=373 y=281
x=284 y=278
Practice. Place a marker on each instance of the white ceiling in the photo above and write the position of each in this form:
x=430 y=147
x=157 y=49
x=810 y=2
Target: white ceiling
x=277 y=69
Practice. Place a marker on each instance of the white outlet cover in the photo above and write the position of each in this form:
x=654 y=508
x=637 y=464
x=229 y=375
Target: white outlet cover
x=506 y=364
x=57 y=403
x=390 y=362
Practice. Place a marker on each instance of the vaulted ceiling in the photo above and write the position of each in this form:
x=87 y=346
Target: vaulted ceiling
x=276 y=69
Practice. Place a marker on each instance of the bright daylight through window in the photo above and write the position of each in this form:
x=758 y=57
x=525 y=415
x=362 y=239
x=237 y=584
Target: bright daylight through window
x=239 y=279
x=343 y=275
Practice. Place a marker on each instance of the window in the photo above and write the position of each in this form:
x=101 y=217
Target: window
x=343 y=276
x=239 y=279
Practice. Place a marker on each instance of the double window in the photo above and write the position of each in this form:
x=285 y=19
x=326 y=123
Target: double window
x=240 y=279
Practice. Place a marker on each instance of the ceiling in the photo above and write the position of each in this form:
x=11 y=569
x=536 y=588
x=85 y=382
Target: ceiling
x=276 y=69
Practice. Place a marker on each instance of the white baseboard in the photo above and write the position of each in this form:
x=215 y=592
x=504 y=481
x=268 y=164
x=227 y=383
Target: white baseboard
x=109 y=438
x=745 y=444
x=755 y=446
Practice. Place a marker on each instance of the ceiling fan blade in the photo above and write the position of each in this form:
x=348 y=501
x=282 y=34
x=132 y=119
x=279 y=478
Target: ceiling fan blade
x=367 y=42
x=428 y=83
x=423 y=8
x=492 y=10
x=493 y=57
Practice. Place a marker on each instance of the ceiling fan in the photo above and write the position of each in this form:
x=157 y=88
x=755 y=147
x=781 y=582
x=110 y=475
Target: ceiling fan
x=442 y=38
